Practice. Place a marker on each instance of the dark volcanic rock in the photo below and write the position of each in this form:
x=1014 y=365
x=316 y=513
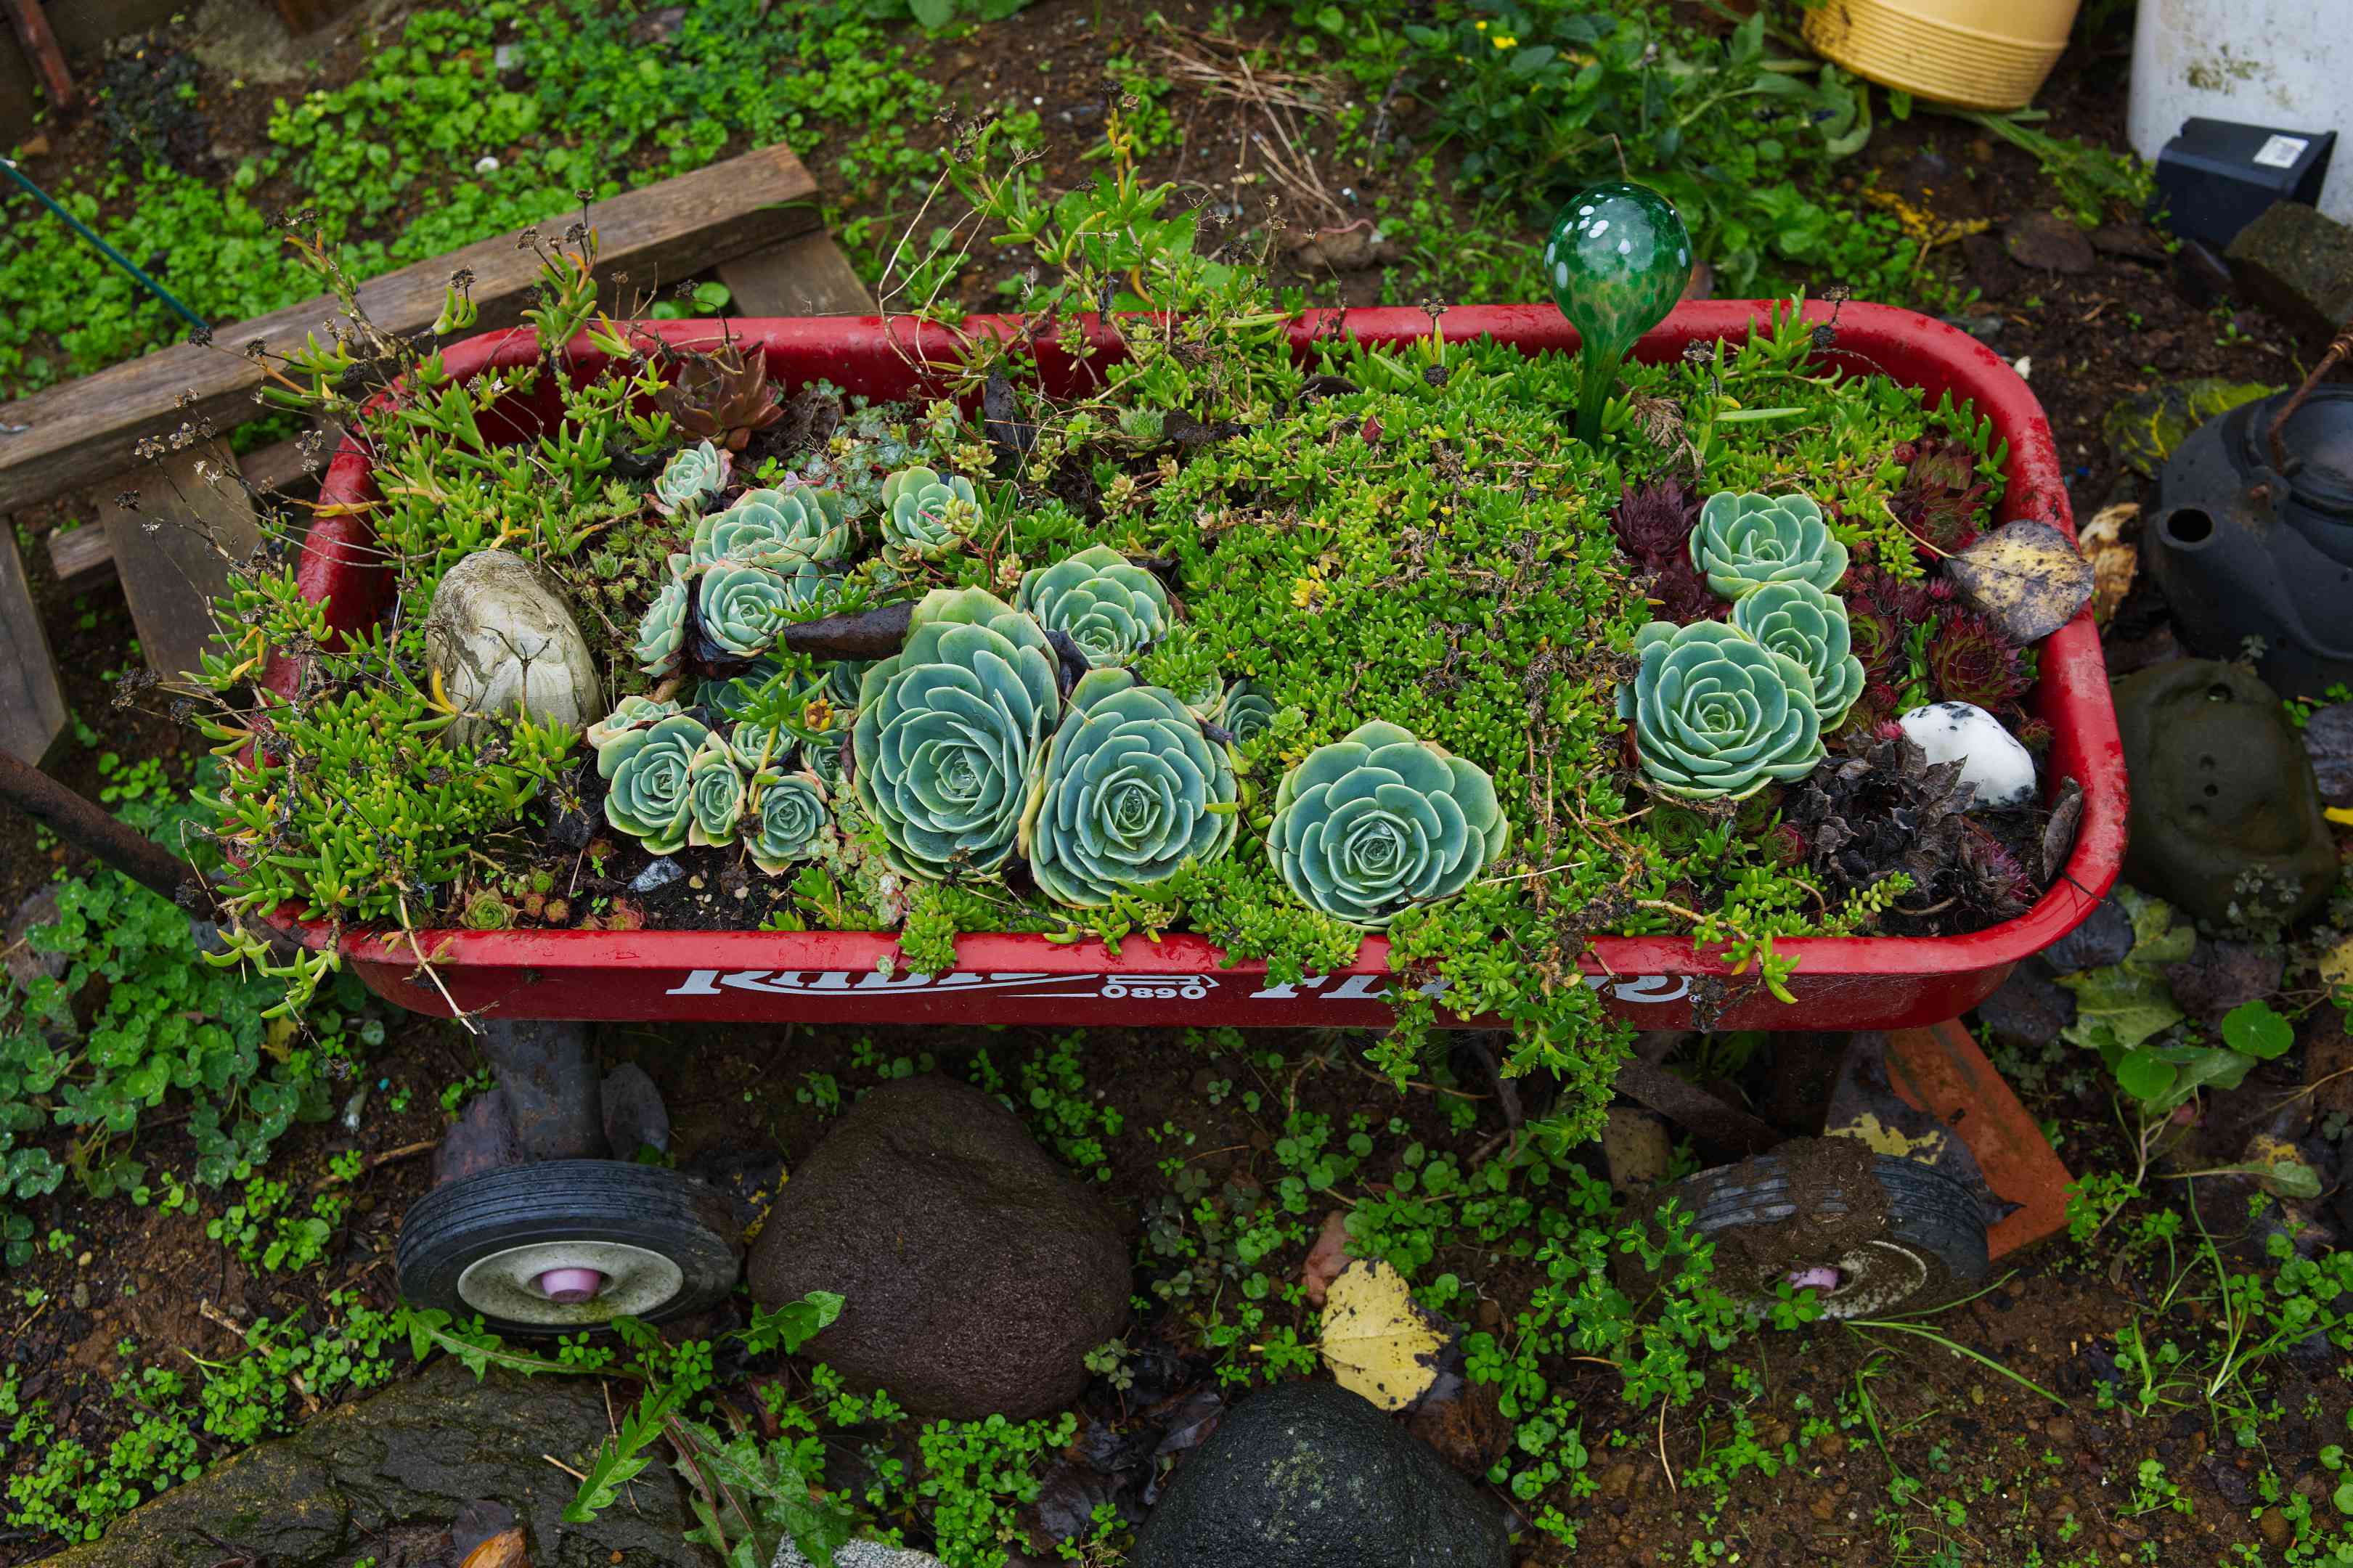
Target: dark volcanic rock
x=977 y=1274
x=2105 y=938
x=2029 y=1011
x=419 y=1454
x=1308 y=1475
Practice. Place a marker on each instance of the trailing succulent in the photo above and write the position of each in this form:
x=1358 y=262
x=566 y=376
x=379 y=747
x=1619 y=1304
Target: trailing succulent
x=1112 y=608
x=1379 y=821
x=947 y=731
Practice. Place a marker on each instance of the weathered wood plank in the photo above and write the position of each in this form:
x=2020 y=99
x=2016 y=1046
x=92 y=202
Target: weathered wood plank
x=173 y=552
x=663 y=231
x=32 y=704
x=81 y=557
x=804 y=276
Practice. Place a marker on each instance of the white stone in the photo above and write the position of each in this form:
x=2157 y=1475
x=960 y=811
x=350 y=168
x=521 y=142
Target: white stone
x=861 y=1554
x=1993 y=762
x=488 y=164
x=504 y=643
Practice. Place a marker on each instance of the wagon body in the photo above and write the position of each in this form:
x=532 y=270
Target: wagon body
x=1840 y=983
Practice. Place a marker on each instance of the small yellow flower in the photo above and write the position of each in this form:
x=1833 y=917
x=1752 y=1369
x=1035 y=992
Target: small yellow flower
x=1308 y=588
x=1480 y=26
x=818 y=715
x=1505 y=41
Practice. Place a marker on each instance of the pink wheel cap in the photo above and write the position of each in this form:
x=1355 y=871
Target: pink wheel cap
x=570 y=1286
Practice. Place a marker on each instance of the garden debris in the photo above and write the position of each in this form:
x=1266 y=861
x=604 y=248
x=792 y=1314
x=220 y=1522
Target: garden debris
x=2328 y=1058
x=26 y=964
x=2329 y=741
x=483 y=1139
x=1464 y=1421
x=2144 y=427
x=1347 y=248
x=2049 y=243
x=2102 y=940
x=1377 y=1340
x=859 y=1554
x=635 y=1117
x=1326 y=1258
x=2029 y=1010
x=2221 y=975
x=2120 y=1005
x=2131 y=240
x=2115 y=559
x=1635 y=1148
x=2026 y=577
x=2059 y=834
x=504 y=1550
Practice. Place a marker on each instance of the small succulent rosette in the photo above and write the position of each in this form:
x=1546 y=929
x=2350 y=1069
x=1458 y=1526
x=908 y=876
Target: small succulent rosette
x=650 y=793
x=775 y=528
x=629 y=713
x=1381 y=820
x=948 y=730
x=926 y=513
x=743 y=609
x=1246 y=712
x=1810 y=626
x=1112 y=608
x=787 y=820
x=1745 y=540
x=717 y=789
x=691 y=479
x=661 y=634
x=1718 y=715
x=1130 y=790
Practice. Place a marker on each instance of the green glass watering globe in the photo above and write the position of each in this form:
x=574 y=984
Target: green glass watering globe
x=1618 y=257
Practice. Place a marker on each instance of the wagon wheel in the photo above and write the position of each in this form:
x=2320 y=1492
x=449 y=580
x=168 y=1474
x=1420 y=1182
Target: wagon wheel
x=566 y=1245
x=1869 y=1233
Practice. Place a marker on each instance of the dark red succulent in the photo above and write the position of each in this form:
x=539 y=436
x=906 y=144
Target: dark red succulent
x=1877 y=640
x=1872 y=711
x=1969 y=661
x=1942 y=499
x=2036 y=735
x=1786 y=845
x=1654 y=520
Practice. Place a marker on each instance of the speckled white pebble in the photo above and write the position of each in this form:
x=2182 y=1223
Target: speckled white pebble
x=1993 y=762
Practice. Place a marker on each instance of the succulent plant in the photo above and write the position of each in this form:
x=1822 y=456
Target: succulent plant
x=949 y=729
x=1970 y=661
x=742 y=607
x=720 y=396
x=1379 y=821
x=1112 y=608
x=1747 y=540
x=661 y=635
x=1942 y=499
x=1618 y=258
x=629 y=713
x=777 y=528
x=734 y=697
x=1247 y=713
x=842 y=678
x=1717 y=714
x=715 y=787
x=1130 y=790
x=1810 y=626
x=789 y=816
x=649 y=794
x=925 y=512
x=690 y=478
x=1654 y=521
x=823 y=757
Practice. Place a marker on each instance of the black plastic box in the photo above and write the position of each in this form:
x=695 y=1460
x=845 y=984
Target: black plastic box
x=2217 y=177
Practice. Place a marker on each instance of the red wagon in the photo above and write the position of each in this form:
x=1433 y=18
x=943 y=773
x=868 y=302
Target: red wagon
x=569 y=1242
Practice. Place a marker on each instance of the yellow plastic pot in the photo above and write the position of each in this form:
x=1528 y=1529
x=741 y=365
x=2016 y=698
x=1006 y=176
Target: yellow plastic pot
x=1978 y=54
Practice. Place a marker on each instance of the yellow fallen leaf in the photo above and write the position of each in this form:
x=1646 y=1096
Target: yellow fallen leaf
x=2114 y=562
x=504 y=1550
x=2025 y=576
x=2340 y=814
x=1377 y=1340
x=2337 y=964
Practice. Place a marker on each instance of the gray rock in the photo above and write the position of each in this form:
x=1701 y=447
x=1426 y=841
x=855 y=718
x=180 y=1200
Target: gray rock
x=2298 y=265
x=634 y=1112
x=2029 y=1011
x=1308 y=1475
x=2220 y=976
x=502 y=641
x=664 y=870
x=2328 y=738
x=2049 y=243
x=862 y=1554
x=411 y=1458
x=2106 y=938
x=977 y=1273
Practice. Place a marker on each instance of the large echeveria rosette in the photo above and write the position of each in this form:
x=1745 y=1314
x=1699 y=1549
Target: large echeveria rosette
x=1112 y=608
x=1718 y=715
x=774 y=528
x=949 y=730
x=1745 y=540
x=743 y=608
x=1810 y=626
x=1379 y=821
x=1130 y=790
x=649 y=774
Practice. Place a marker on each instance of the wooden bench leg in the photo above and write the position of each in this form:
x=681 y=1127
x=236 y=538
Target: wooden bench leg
x=32 y=703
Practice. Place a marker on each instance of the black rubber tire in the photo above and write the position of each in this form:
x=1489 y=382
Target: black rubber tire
x=646 y=1207
x=1933 y=1249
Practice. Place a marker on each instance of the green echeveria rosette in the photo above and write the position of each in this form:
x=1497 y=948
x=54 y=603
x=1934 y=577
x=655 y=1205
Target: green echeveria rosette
x=743 y=608
x=774 y=527
x=1618 y=257
x=823 y=756
x=948 y=731
x=661 y=634
x=1132 y=789
x=629 y=713
x=691 y=477
x=1801 y=621
x=649 y=794
x=788 y=816
x=715 y=787
x=1718 y=715
x=1246 y=713
x=1112 y=608
x=1376 y=822
x=1745 y=540
x=926 y=513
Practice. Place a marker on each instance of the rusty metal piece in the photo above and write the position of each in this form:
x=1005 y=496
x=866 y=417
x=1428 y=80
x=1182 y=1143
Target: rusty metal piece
x=1692 y=1108
x=2339 y=350
x=86 y=827
x=547 y=1075
x=41 y=49
x=1941 y=1070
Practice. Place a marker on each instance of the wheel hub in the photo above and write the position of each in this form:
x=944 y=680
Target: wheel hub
x=570 y=1282
x=1872 y=1278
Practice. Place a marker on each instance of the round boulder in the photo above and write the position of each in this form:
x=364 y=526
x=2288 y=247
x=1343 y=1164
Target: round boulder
x=1309 y=1475
x=502 y=642
x=975 y=1272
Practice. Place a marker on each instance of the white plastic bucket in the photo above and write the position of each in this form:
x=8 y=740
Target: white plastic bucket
x=2287 y=64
